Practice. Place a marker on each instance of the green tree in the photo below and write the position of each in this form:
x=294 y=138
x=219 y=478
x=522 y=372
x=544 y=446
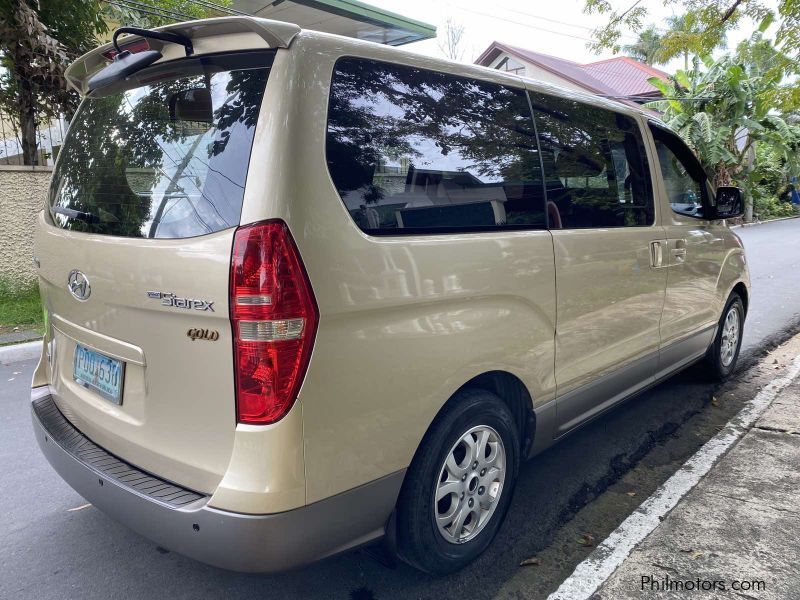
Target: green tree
x=37 y=42
x=704 y=26
x=647 y=47
x=154 y=13
x=40 y=38
x=770 y=183
x=728 y=110
x=684 y=34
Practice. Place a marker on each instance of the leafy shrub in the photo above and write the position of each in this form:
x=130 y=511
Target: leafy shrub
x=771 y=208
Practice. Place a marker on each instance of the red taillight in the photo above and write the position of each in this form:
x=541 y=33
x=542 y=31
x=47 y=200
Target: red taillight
x=274 y=318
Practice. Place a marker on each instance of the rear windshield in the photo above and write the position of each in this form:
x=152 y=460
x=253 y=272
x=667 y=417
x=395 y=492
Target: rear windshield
x=163 y=154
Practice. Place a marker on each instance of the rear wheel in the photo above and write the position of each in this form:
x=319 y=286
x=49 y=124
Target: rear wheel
x=459 y=485
x=724 y=352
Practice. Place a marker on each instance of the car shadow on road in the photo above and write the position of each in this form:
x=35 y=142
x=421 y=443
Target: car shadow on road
x=551 y=488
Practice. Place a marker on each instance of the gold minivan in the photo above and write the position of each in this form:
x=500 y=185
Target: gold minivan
x=304 y=292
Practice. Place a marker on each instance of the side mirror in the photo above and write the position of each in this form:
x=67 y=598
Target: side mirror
x=730 y=202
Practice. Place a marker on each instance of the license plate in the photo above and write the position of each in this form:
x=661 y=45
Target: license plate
x=99 y=372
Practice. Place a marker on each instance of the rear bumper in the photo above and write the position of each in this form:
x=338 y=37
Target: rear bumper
x=182 y=521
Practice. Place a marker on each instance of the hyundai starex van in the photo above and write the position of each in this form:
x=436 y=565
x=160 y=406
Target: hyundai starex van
x=304 y=292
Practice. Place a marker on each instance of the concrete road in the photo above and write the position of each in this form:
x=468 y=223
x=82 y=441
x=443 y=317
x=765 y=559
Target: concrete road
x=53 y=546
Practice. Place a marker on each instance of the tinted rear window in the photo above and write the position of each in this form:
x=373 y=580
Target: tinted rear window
x=164 y=154
x=595 y=165
x=411 y=150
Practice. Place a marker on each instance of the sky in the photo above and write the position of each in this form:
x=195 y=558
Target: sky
x=556 y=27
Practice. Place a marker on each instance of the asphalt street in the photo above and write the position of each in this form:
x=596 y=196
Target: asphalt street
x=773 y=254
x=54 y=546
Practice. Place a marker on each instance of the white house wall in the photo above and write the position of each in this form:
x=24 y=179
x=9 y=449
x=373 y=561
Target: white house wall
x=536 y=72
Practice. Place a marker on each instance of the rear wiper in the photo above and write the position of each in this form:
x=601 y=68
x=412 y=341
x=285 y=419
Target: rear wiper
x=86 y=217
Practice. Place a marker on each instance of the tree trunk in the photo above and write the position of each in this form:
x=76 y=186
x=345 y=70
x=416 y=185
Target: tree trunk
x=26 y=100
x=748 y=201
x=27 y=119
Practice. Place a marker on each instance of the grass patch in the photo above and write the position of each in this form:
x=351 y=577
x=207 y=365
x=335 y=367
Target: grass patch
x=20 y=307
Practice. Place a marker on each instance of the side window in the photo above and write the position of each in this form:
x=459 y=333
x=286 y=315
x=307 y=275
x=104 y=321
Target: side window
x=415 y=151
x=683 y=176
x=595 y=166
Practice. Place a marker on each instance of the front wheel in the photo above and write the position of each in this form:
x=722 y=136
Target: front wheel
x=724 y=352
x=459 y=485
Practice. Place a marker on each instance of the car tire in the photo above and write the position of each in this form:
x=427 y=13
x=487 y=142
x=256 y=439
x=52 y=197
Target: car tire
x=724 y=352
x=432 y=535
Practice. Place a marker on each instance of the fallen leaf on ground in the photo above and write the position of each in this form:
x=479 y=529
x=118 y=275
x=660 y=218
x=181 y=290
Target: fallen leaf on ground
x=697 y=554
x=533 y=560
x=631 y=494
x=587 y=539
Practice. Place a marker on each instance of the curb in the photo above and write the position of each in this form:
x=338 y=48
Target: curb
x=19 y=352
x=599 y=566
x=763 y=222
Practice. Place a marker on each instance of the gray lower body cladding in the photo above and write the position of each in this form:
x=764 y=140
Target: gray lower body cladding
x=239 y=542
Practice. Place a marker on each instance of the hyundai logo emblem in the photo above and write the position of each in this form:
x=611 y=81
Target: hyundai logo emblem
x=78 y=285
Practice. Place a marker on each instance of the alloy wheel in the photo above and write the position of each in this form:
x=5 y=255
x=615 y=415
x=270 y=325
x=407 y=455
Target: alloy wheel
x=469 y=485
x=729 y=342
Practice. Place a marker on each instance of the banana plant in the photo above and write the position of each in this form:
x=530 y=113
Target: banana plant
x=726 y=107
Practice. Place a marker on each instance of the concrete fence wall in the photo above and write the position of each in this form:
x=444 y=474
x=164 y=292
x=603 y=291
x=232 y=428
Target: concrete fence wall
x=23 y=191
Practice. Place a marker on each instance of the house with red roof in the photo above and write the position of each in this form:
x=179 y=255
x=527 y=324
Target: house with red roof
x=622 y=78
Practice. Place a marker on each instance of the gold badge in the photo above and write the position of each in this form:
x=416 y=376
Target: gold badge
x=212 y=335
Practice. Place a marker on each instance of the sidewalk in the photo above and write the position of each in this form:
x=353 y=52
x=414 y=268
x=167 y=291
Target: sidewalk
x=18 y=337
x=737 y=533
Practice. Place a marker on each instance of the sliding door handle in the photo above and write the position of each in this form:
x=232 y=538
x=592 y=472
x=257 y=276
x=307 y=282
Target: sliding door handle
x=656 y=254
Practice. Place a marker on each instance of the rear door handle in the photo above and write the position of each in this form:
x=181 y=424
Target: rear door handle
x=656 y=254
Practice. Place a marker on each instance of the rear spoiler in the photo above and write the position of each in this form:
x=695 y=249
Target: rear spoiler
x=274 y=34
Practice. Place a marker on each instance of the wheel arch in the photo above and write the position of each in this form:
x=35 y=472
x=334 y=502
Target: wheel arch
x=734 y=277
x=512 y=391
x=741 y=289
x=400 y=539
